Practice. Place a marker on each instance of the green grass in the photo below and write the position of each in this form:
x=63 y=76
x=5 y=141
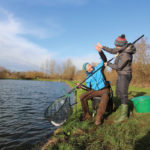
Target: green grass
x=133 y=134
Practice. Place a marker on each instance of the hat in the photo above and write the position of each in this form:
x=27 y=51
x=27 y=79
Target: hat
x=84 y=66
x=121 y=41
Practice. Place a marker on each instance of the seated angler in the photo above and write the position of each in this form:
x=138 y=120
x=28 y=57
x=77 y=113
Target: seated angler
x=98 y=87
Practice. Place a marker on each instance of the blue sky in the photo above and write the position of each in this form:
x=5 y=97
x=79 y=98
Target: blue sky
x=33 y=31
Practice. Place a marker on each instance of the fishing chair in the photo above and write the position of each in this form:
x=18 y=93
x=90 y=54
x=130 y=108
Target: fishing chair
x=96 y=102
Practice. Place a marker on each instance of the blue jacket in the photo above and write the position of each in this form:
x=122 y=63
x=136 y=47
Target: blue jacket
x=97 y=80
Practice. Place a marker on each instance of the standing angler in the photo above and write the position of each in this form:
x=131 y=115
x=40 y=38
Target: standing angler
x=123 y=67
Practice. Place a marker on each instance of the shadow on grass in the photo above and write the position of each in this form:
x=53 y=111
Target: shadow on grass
x=136 y=94
x=143 y=143
x=116 y=103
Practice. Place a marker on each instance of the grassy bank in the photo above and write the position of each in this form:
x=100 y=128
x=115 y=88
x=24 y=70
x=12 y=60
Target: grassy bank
x=84 y=135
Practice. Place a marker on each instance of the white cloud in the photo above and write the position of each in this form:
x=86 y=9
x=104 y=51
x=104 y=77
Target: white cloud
x=12 y=25
x=90 y=58
x=16 y=50
x=46 y=28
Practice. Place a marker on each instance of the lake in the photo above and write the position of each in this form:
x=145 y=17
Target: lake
x=22 y=106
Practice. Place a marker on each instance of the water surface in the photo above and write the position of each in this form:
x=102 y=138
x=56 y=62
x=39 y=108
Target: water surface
x=22 y=106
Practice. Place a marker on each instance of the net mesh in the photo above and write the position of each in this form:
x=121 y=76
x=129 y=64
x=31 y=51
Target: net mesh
x=59 y=111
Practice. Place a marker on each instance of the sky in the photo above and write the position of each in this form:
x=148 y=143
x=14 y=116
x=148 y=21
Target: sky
x=33 y=31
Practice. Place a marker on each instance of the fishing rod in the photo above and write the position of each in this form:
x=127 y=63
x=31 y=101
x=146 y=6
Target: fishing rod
x=137 y=39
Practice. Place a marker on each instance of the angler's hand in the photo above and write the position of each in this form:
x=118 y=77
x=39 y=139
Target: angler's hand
x=78 y=85
x=98 y=47
x=117 y=55
x=105 y=64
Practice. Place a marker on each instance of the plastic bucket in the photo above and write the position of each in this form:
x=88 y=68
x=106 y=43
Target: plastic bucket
x=141 y=104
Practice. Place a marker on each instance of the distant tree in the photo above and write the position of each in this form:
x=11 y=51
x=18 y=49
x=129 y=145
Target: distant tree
x=21 y=75
x=80 y=75
x=68 y=70
x=30 y=75
x=142 y=54
x=47 y=70
x=59 y=70
x=141 y=63
x=42 y=68
x=4 y=73
x=52 y=66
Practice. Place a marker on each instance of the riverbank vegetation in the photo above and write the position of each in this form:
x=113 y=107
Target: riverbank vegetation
x=67 y=71
x=75 y=134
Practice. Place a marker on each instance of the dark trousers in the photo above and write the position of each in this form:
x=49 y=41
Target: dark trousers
x=122 y=85
x=104 y=94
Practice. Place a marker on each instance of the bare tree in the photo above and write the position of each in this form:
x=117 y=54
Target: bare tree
x=4 y=73
x=68 y=70
x=42 y=67
x=47 y=70
x=142 y=54
x=52 y=66
x=141 y=63
x=80 y=75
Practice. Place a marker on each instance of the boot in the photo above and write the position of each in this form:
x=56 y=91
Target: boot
x=86 y=116
x=98 y=120
x=85 y=110
x=116 y=114
x=123 y=113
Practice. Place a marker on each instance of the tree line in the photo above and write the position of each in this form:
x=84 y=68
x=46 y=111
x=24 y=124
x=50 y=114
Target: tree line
x=50 y=69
